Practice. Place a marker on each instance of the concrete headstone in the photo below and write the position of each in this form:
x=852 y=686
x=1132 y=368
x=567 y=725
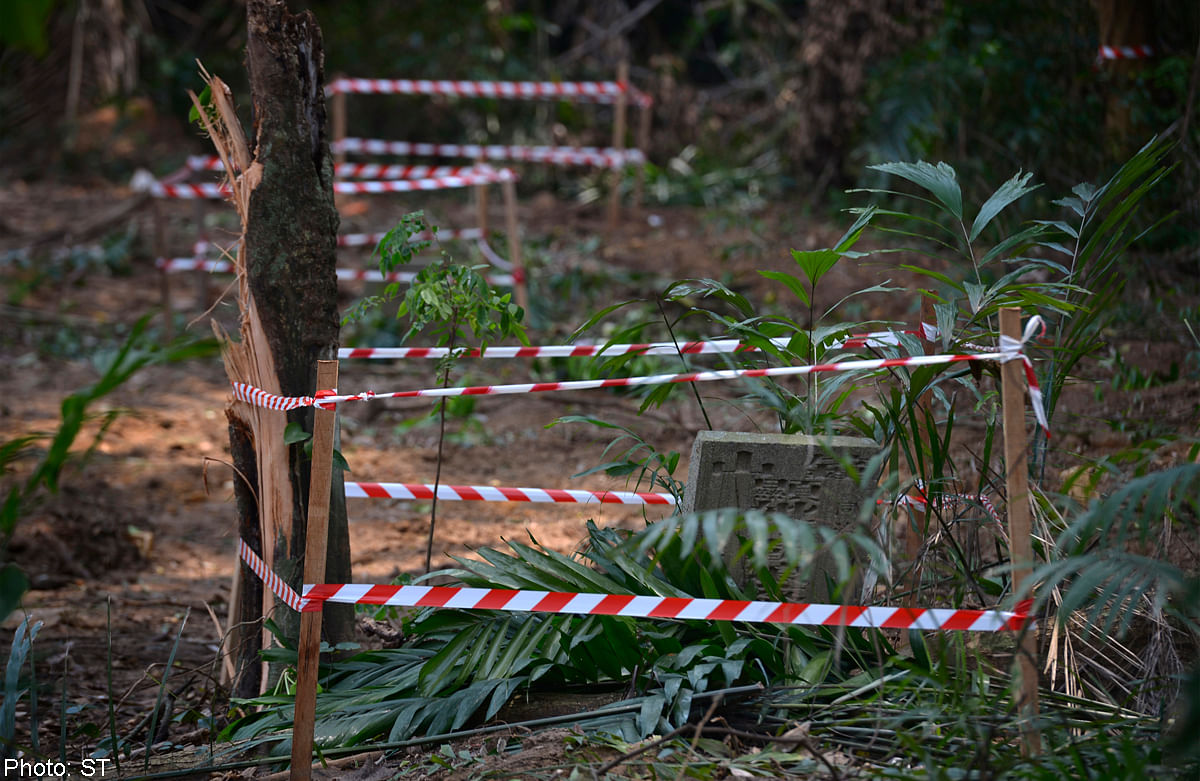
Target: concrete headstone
x=798 y=475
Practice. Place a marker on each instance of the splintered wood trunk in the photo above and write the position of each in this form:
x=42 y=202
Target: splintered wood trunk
x=288 y=296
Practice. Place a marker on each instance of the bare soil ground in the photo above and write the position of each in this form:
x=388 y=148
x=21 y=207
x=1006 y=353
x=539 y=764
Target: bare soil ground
x=141 y=537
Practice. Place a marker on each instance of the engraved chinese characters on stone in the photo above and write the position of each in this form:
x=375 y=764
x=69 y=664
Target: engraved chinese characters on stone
x=797 y=475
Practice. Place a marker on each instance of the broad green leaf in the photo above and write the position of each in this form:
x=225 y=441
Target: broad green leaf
x=815 y=264
x=1085 y=191
x=947 y=315
x=709 y=287
x=1074 y=204
x=204 y=99
x=792 y=283
x=650 y=713
x=975 y=295
x=598 y=316
x=439 y=670
x=1065 y=227
x=1016 y=242
x=941 y=180
x=1010 y=191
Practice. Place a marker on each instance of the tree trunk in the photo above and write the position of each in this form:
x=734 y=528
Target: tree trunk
x=1123 y=23
x=289 y=300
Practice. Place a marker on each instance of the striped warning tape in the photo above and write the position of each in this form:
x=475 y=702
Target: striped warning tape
x=488 y=493
x=593 y=91
x=712 y=346
x=443 y=234
x=343 y=274
x=478 y=175
x=1124 y=52
x=269 y=578
x=261 y=398
x=634 y=606
x=981 y=499
x=379 y=171
x=202 y=163
x=1010 y=350
x=557 y=155
x=201 y=248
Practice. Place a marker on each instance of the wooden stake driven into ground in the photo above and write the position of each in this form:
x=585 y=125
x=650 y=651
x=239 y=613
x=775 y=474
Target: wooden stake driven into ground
x=520 y=289
x=1020 y=527
x=317 y=538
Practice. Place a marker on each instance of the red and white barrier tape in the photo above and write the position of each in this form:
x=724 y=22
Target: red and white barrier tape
x=1124 y=52
x=188 y=191
x=443 y=234
x=593 y=91
x=478 y=175
x=201 y=248
x=361 y=170
x=171 y=265
x=487 y=493
x=204 y=163
x=712 y=346
x=556 y=155
x=343 y=274
x=632 y=606
x=269 y=578
x=920 y=502
x=379 y=171
x=1010 y=350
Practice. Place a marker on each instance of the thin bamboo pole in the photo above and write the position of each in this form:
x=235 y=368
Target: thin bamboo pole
x=316 y=542
x=618 y=143
x=1020 y=529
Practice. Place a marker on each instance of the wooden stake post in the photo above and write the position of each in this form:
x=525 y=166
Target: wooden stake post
x=316 y=541
x=614 y=198
x=509 y=188
x=1020 y=528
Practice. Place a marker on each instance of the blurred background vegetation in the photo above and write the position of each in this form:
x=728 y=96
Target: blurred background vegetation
x=803 y=94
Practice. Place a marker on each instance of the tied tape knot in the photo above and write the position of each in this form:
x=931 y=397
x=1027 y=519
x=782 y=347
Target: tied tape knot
x=1014 y=349
x=325 y=394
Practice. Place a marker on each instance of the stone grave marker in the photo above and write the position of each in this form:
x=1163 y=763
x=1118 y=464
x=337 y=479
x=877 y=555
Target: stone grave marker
x=785 y=473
